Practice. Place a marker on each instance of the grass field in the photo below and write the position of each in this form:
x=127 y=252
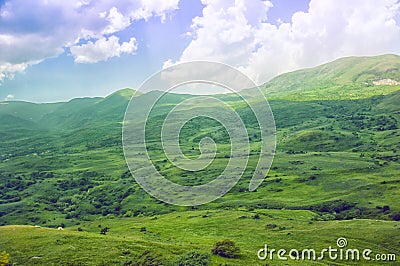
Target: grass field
x=173 y=234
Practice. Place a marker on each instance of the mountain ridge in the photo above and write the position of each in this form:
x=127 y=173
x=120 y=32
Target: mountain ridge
x=341 y=76
x=344 y=78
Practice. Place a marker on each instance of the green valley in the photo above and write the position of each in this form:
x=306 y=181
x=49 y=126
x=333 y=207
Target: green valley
x=335 y=174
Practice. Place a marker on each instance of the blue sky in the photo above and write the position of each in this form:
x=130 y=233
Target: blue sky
x=55 y=51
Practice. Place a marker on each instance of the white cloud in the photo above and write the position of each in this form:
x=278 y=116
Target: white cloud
x=33 y=30
x=238 y=33
x=225 y=32
x=117 y=21
x=9 y=97
x=7 y=70
x=102 y=49
x=157 y=8
x=168 y=63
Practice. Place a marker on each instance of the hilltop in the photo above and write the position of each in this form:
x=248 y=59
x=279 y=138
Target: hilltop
x=345 y=78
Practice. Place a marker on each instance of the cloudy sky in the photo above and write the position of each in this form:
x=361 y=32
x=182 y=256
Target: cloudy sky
x=54 y=50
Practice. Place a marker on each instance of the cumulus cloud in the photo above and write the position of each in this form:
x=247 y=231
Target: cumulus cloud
x=158 y=8
x=117 y=21
x=102 y=49
x=226 y=31
x=33 y=30
x=9 y=97
x=7 y=70
x=239 y=33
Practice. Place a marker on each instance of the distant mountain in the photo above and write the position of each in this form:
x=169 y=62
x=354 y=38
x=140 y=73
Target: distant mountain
x=345 y=78
x=28 y=111
x=26 y=127
x=75 y=113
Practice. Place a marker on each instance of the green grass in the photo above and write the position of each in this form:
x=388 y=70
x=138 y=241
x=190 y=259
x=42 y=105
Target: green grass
x=178 y=232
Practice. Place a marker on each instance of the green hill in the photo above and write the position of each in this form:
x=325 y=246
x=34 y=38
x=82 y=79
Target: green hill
x=28 y=111
x=335 y=174
x=345 y=78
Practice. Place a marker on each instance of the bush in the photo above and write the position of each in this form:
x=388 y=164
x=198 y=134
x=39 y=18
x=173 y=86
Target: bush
x=336 y=206
x=4 y=259
x=193 y=258
x=104 y=230
x=396 y=217
x=271 y=226
x=226 y=248
x=149 y=258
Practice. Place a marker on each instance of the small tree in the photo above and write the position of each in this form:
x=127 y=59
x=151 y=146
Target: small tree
x=226 y=248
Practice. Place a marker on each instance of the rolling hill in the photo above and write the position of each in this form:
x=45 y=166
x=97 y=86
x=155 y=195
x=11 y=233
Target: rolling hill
x=335 y=174
x=345 y=78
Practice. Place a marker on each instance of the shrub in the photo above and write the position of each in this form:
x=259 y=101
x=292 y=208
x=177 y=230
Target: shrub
x=396 y=217
x=149 y=258
x=193 y=258
x=4 y=259
x=271 y=226
x=226 y=248
x=104 y=230
x=336 y=206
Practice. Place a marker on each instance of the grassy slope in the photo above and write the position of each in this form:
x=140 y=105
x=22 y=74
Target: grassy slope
x=345 y=78
x=66 y=167
x=176 y=233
